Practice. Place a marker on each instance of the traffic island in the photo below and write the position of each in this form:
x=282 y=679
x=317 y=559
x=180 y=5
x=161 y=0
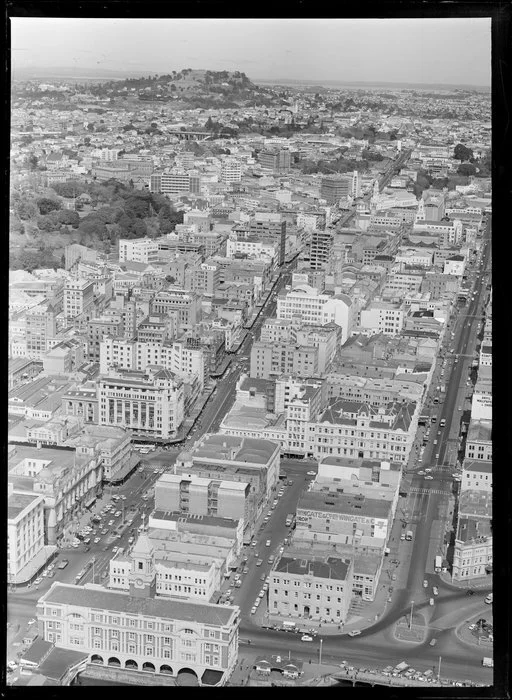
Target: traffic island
x=414 y=633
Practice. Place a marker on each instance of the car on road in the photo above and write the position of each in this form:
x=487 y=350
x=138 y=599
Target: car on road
x=431 y=601
x=433 y=642
x=32 y=621
x=253 y=543
x=437 y=455
x=429 y=477
x=87 y=540
x=96 y=540
x=402 y=536
x=104 y=531
x=435 y=590
x=425 y=583
x=253 y=610
x=266 y=519
x=306 y=638
x=110 y=523
x=460 y=408
x=354 y=633
x=268 y=543
x=311 y=473
x=117 y=513
x=130 y=540
x=246 y=570
x=488 y=599
x=263 y=577
x=114 y=549
x=271 y=559
x=259 y=562
x=428 y=469
x=421 y=473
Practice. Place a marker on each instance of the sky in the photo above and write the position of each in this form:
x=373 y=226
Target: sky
x=433 y=50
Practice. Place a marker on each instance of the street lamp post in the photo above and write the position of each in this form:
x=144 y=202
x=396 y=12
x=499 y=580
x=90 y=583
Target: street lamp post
x=320 y=654
x=439 y=671
x=410 y=620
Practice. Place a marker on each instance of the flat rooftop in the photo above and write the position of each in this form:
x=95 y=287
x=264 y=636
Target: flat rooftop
x=17 y=503
x=346 y=504
x=186 y=518
x=332 y=568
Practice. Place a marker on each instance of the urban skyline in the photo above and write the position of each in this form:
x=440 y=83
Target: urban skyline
x=250 y=361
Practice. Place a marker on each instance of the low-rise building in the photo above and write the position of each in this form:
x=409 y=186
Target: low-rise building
x=311 y=588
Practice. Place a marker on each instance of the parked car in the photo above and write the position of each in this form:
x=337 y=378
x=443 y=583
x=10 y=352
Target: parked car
x=311 y=473
x=431 y=601
x=435 y=590
x=253 y=610
x=306 y=638
x=268 y=543
x=425 y=583
x=354 y=633
x=430 y=478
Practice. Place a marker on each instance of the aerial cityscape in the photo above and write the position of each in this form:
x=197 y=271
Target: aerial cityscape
x=250 y=354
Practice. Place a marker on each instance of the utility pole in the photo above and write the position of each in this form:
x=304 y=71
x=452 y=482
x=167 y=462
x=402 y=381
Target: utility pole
x=439 y=670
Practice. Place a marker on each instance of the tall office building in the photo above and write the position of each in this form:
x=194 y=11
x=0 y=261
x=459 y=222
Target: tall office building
x=276 y=160
x=333 y=189
x=78 y=297
x=231 y=171
x=320 y=249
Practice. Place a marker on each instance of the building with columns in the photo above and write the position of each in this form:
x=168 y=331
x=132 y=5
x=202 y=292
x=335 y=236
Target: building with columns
x=149 y=403
x=136 y=630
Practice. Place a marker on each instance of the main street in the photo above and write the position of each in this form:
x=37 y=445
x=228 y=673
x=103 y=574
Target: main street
x=376 y=646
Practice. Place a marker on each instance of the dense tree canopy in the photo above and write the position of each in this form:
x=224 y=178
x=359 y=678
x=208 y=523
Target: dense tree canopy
x=461 y=152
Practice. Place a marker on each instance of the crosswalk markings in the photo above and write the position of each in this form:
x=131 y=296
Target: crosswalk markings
x=427 y=491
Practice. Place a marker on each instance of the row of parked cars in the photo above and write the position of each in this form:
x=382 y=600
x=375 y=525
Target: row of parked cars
x=261 y=595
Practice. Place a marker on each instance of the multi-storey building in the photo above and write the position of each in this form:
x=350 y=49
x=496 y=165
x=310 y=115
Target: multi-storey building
x=310 y=588
x=311 y=307
x=136 y=630
x=205 y=279
x=230 y=171
x=175 y=183
x=40 y=330
x=81 y=401
x=184 y=306
x=230 y=458
x=199 y=496
x=98 y=329
x=479 y=440
x=320 y=249
x=25 y=531
x=278 y=160
x=137 y=355
x=149 y=403
x=353 y=429
x=333 y=189
x=383 y=317
x=141 y=250
x=78 y=297
x=273 y=359
x=68 y=479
